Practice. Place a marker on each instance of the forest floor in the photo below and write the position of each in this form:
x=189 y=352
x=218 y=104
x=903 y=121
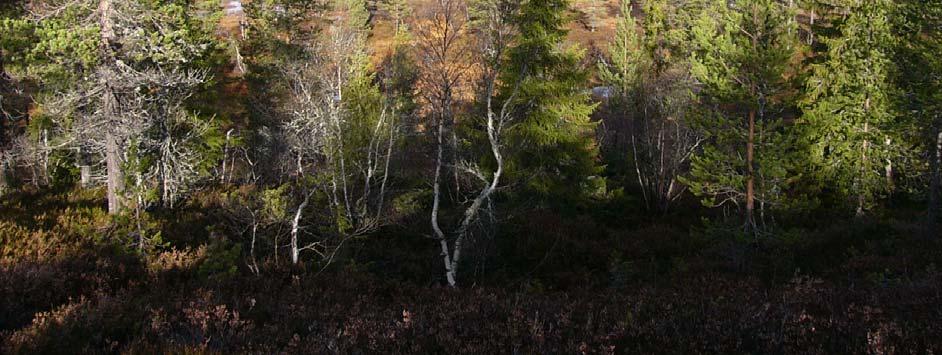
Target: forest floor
x=72 y=282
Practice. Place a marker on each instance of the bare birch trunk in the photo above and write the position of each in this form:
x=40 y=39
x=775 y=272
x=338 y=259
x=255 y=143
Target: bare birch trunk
x=225 y=157
x=46 y=150
x=436 y=202
x=888 y=168
x=254 y=265
x=4 y=184
x=438 y=51
x=138 y=181
x=382 y=187
x=4 y=84
x=472 y=211
x=454 y=152
x=85 y=169
x=641 y=182
x=295 y=226
x=811 y=28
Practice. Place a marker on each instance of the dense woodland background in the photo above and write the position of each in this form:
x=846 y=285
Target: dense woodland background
x=470 y=176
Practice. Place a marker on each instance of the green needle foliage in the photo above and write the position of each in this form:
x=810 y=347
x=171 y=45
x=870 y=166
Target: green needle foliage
x=552 y=151
x=852 y=124
x=742 y=59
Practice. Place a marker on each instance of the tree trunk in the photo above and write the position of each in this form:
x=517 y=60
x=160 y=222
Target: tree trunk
x=3 y=175
x=750 y=173
x=4 y=85
x=45 y=151
x=85 y=169
x=109 y=109
x=225 y=157
x=254 y=265
x=470 y=214
x=436 y=202
x=295 y=227
x=864 y=158
x=138 y=182
x=811 y=29
x=454 y=152
x=934 y=187
x=382 y=186
x=115 y=175
x=888 y=168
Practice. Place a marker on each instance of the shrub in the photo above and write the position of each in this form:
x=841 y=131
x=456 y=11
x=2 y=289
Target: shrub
x=221 y=260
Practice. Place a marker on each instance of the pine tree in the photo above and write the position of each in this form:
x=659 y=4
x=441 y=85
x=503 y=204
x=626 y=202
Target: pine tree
x=741 y=59
x=852 y=124
x=552 y=139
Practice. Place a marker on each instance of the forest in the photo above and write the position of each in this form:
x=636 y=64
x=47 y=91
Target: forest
x=471 y=176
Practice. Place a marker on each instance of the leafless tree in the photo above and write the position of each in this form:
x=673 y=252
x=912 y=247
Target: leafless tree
x=338 y=154
x=255 y=212
x=661 y=140
x=494 y=32
x=444 y=48
x=6 y=83
x=649 y=98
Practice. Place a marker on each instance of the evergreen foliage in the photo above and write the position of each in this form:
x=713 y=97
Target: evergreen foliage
x=852 y=123
x=552 y=138
x=742 y=59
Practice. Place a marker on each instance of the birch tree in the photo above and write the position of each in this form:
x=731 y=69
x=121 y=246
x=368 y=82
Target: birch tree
x=494 y=30
x=653 y=88
x=341 y=132
x=444 y=49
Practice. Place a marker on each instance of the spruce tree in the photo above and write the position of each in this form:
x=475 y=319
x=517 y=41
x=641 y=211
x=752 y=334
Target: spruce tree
x=552 y=138
x=851 y=122
x=625 y=54
x=918 y=27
